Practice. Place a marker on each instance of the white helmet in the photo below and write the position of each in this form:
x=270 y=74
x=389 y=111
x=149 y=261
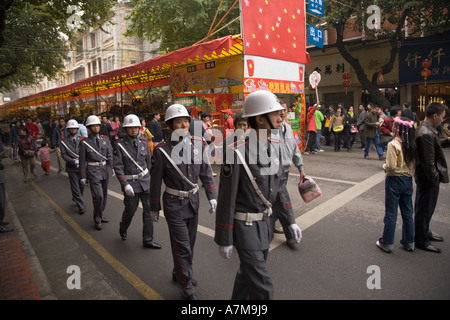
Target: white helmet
x=91 y=120
x=131 y=120
x=176 y=111
x=261 y=102
x=72 y=124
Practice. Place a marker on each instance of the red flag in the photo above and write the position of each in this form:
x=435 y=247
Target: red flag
x=275 y=29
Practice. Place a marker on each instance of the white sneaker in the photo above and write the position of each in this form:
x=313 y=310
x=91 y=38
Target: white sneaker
x=321 y=150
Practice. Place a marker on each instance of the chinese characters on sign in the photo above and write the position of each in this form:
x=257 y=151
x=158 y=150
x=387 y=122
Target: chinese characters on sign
x=315 y=36
x=316 y=7
x=411 y=56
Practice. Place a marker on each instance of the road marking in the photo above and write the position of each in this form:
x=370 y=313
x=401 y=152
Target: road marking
x=132 y=279
x=323 y=210
x=326 y=179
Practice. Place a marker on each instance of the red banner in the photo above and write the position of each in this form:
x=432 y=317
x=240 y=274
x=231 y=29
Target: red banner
x=275 y=29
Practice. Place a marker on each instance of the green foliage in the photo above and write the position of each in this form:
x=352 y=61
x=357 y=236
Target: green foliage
x=32 y=45
x=180 y=23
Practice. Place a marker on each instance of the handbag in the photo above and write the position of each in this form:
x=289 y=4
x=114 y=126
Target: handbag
x=384 y=140
x=353 y=129
x=338 y=128
x=28 y=153
x=309 y=190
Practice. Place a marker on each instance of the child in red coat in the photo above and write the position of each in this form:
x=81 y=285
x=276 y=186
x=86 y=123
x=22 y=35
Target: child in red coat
x=44 y=154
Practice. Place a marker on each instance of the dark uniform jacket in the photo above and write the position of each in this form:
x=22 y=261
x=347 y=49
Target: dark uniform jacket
x=162 y=170
x=123 y=165
x=87 y=155
x=237 y=194
x=70 y=151
x=432 y=166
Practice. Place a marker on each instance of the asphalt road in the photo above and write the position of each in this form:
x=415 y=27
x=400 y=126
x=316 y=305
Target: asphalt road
x=336 y=259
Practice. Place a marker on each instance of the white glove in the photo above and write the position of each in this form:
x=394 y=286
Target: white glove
x=154 y=215
x=83 y=181
x=213 y=203
x=76 y=162
x=226 y=251
x=296 y=232
x=129 y=190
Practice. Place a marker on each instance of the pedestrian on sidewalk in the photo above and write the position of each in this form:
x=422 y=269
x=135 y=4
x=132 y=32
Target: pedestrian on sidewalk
x=180 y=162
x=312 y=130
x=132 y=163
x=95 y=155
x=246 y=193
x=25 y=147
x=59 y=134
x=44 y=153
x=400 y=163
x=70 y=152
x=371 y=132
x=337 y=123
x=431 y=170
x=318 y=115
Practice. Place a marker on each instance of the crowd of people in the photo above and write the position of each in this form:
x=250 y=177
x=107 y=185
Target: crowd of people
x=251 y=196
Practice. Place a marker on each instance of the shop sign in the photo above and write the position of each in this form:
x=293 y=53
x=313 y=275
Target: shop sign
x=226 y=72
x=277 y=76
x=410 y=57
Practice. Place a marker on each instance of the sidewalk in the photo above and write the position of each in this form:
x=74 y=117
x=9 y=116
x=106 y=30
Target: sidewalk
x=35 y=256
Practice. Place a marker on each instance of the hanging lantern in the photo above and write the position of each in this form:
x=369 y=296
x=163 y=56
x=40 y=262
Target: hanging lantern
x=346 y=84
x=346 y=76
x=425 y=73
x=425 y=64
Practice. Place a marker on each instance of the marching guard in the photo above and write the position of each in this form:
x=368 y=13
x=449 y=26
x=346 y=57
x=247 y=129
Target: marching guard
x=95 y=155
x=132 y=162
x=180 y=164
x=70 y=149
x=249 y=185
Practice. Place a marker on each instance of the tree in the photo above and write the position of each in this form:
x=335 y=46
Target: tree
x=34 y=35
x=181 y=23
x=421 y=17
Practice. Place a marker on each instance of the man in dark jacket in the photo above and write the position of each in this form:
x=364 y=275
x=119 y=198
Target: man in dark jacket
x=431 y=170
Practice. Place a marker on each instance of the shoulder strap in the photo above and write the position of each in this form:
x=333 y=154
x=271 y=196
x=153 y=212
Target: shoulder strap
x=130 y=157
x=252 y=180
x=70 y=150
x=90 y=147
x=177 y=169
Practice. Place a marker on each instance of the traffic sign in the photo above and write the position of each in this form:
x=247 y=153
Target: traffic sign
x=315 y=36
x=316 y=7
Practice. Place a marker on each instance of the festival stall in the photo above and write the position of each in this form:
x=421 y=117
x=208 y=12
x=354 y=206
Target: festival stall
x=210 y=76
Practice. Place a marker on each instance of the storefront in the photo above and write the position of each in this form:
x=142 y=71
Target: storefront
x=333 y=68
x=436 y=87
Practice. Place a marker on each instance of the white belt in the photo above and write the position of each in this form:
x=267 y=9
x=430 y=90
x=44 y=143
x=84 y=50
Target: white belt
x=136 y=176
x=180 y=193
x=250 y=217
x=97 y=164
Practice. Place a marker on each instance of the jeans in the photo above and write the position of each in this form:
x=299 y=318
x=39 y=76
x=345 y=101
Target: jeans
x=376 y=142
x=398 y=192
x=318 y=136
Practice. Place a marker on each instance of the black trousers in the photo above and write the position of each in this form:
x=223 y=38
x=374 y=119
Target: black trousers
x=311 y=143
x=131 y=205
x=425 y=203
